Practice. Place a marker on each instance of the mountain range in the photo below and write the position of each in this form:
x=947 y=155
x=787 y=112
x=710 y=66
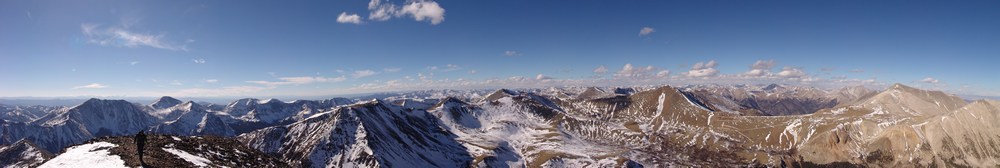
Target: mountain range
x=696 y=125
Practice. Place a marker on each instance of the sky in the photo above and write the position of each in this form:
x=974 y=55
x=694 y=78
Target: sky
x=314 y=48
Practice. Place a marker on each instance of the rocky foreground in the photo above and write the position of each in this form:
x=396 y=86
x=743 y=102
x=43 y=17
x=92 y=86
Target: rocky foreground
x=163 y=151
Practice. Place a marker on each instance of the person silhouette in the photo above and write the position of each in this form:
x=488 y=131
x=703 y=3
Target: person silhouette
x=140 y=144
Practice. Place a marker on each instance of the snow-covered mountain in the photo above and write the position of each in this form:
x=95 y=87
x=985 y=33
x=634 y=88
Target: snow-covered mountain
x=773 y=99
x=252 y=114
x=102 y=117
x=23 y=153
x=195 y=120
x=11 y=113
x=93 y=118
x=168 y=109
x=366 y=134
x=165 y=102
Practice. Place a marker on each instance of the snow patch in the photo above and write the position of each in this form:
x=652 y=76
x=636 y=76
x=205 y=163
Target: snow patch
x=193 y=159
x=791 y=132
x=659 y=106
x=839 y=111
x=710 y=115
x=87 y=155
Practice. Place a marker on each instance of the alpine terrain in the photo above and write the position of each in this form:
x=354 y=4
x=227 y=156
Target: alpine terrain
x=694 y=125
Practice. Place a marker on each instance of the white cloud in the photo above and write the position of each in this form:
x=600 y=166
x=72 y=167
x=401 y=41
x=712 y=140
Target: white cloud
x=791 y=72
x=122 y=37
x=646 y=31
x=601 y=70
x=299 y=80
x=309 y=79
x=363 y=73
x=473 y=72
x=379 y=11
x=542 y=77
x=760 y=68
x=211 y=81
x=91 y=86
x=348 y=18
x=425 y=77
x=708 y=72
x=511 y=53
x=663 y=73
x=420 y=10
x=757 y=73
x=702 y=69
x=930 y=80
x=711 y=64
x=761 y=64
x=198 y=60
x=133 y=62
x=424 y=10
x=391 y=69
x=629 y=71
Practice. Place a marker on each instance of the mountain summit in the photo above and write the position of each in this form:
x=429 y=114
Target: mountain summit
x=165 y=102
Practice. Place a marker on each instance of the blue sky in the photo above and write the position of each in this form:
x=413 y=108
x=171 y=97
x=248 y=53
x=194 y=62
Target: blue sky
x=310 y=48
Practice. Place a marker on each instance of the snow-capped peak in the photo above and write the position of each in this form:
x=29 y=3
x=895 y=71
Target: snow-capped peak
x=500 y=93
x=271 y=100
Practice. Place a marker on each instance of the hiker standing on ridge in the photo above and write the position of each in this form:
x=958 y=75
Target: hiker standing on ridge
x=140 y=144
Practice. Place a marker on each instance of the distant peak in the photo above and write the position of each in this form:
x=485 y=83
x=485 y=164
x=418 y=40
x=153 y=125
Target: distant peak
x=165 y=102
x=92 y=100
x=369 y=103
x=595 y=89
x=905 y=88
x=449 y=102
x=246 y=99
x=192 y=106
x=95 y=102
x=900 y=86
x=506 y=91
x=191 y=103
x=271 y=100
x=167 y=98
x=773 y=86
x=452 y=100
x=500 y=93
